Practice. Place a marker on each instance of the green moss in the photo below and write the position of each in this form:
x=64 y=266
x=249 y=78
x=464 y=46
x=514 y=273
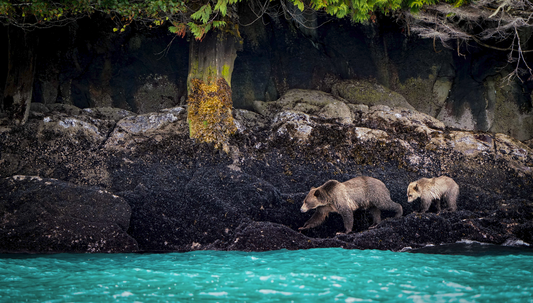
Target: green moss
x=226 y=73
x=419 y=92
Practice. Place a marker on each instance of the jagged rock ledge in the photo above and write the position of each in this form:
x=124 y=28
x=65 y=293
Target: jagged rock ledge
x=107 y=180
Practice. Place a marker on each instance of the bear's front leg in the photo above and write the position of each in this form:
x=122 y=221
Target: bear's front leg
x=424 y=205
x=318 y=217
x=437 y=205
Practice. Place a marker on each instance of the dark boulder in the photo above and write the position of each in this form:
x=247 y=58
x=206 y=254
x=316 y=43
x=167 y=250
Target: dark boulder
x=48 y=216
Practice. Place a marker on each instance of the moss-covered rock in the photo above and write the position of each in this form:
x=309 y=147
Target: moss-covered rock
x=504 y=112
x=368 y=93
x=426 y=94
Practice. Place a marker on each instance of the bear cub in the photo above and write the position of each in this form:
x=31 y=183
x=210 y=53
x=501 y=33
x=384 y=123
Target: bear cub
x=363 y=192
x=434 y=189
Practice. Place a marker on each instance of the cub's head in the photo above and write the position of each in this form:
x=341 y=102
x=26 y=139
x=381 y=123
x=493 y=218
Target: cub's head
x=413 y=192
x=314 y=199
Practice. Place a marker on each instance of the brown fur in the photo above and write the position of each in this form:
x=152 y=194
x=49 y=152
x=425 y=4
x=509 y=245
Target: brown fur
x=434 y=189
x=363 y=192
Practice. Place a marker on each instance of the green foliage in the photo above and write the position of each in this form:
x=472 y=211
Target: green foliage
x=458 y=3
x=222 y=7
x=203 y=13
x=41 y=13
x=363 y=10
x=45 y=12
x=197 y=16
x=179 y=29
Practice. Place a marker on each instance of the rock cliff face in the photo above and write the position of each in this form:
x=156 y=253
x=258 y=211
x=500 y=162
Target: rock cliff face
x=87 y=65
x=108 y=180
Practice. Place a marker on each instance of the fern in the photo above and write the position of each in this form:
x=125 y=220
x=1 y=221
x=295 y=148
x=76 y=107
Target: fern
x=218 y=24
x=222 y=7
x=203 y=13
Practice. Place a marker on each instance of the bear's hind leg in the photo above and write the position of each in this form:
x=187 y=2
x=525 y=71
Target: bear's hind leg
x=347 y=218
x=451 y=202
x=397 y=208
x=376 y=216
x=451 y=198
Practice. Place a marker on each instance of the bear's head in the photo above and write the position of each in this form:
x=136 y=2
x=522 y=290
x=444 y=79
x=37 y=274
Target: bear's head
x=315 y=198
x=413 y=192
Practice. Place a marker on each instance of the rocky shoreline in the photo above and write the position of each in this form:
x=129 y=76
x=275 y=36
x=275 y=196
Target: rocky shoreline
x=108 y=180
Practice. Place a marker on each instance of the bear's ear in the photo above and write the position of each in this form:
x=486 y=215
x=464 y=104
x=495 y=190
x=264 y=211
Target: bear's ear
x=317 y=193
x=416 y=187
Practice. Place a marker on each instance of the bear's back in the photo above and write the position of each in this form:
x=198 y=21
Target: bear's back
x=366 y=189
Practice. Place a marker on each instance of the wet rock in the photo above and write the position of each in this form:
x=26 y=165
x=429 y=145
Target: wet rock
x=42 y=215
x=134 y=129
x=157 y=92
x=249 y=121
x=301 y=100
x=469 y=145
x=39 y=108
x=292 y=124
x=265 y=236
x=107 y=113
x=397 y=119
x=94 y=130
x=64 y=108
x=338 y=111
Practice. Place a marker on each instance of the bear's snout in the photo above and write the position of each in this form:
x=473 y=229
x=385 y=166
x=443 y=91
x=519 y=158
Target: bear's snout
x=304 y=208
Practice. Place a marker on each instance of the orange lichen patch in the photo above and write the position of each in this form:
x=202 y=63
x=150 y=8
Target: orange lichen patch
x=209 y=112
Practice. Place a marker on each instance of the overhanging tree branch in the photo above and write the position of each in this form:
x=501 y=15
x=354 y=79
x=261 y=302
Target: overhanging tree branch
x=490 y=23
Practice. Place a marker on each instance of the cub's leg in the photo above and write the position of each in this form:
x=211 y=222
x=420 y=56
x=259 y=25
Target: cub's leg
x=451 y=198
x=424 y=205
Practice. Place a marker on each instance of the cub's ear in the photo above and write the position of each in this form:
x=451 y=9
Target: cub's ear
x=416 y=187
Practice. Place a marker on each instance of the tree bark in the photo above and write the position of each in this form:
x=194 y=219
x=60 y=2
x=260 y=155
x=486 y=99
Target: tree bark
x=211 y=62
x=20 y=73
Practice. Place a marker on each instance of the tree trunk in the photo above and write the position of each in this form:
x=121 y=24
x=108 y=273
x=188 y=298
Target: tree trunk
x=20 y=73
x=211 y=62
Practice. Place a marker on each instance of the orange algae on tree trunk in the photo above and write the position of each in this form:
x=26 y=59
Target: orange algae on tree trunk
x=210 y=112
x=211 y=62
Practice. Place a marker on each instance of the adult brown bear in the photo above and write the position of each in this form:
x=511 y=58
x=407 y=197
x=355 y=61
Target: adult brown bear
x=363 y=192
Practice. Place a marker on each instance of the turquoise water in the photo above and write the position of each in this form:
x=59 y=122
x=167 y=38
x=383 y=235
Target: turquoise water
x=316 y=275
